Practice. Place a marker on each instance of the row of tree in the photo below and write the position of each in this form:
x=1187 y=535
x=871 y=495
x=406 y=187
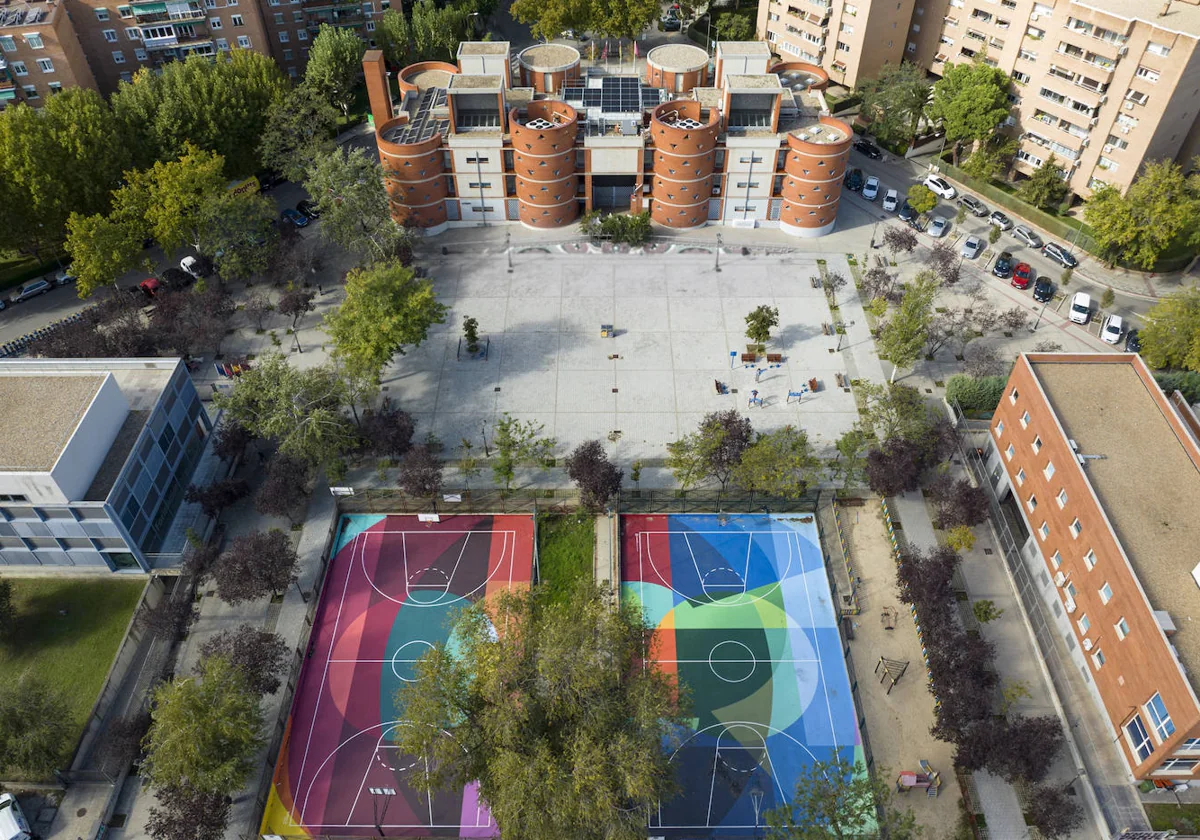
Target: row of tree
x=608 y=18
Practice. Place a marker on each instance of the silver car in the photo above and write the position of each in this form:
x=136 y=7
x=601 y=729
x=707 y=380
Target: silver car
x=30 y=290
x=1026 y=234
x=938 y=227
x=972 y=247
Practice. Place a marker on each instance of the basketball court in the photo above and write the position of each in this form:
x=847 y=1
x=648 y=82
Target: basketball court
x=744 y=616
x=391 y=589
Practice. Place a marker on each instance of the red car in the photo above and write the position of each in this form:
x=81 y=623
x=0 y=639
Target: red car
x=1022 y=276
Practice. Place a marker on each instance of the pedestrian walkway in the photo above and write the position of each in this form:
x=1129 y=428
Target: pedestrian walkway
x=606 y=553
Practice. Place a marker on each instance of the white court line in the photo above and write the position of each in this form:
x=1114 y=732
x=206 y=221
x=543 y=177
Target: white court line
x=812 y=622
x=713 y=784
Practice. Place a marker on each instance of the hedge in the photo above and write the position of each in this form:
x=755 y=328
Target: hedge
x=1187 y=382
x=973 y=394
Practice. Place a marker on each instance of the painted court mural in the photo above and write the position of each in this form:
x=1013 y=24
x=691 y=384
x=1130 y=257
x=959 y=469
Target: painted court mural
x=744 y=614
x=389 y=591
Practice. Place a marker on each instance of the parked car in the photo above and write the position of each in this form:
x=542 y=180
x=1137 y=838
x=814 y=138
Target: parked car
x=869 y=149
x=1004 y=265
x=938 y=227
x=150 y=287
x=1022 y=276
x=972 y=247
x=574 y=35
x=309 y=209
x=1043 y=290
x=854 y=180
x=974 y=206
x=870 y=190
x=908 y=214
x=1000 y=220
x=295 y=217
x=670 y=24
x=1026 y=234
x=1112 y=329
x=1133 y=342
x=63 y=278
x=268 y=179
x=940 y=187
x=177 y=277
x=13 y=825
x=1081 y=308
x=891 y=200
x=30 y=290
x=1059 y=254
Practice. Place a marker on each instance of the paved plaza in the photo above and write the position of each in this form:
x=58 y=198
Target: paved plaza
x=676 y=321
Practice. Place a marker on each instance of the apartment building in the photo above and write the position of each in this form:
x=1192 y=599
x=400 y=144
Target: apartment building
x=40 y=53
x=1098 y=473
x=748 y=145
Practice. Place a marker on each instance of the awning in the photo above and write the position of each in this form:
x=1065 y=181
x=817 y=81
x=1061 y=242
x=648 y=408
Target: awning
x=149 y=8
x=8 y=94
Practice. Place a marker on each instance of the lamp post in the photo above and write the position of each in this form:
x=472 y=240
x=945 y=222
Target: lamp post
x=717 y=259
x=376 y=794
x=508 y=249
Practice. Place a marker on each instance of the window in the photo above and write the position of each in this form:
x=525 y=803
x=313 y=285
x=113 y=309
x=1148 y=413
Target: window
x=1035 y=33
x=1008 y=453
x=235 y=21
x=1164 y=728
x=214 y=24
x=1000 y=428
x=1158 y=49
x=1020 y=78
x=1147 y=74
x=1137 y=96
x=283 y=36
x=110 y=35
x=1107 y=163
x=7 y=43
x=126 y=76
x=479 y=185
x=1025 y=421
x=140 y=54
x=1061 y=498
x=1089 y=560
x=301 y=34
x=279 y=17
x=222 y=44
x=1020 y=477
x=297 y=16
x=118 y=57
x=1190 y=745
x=133 y=33
x=477 y=160
x=1056 y=559
x=847 y=28
x=1098 y=659
x=1044 y=530
x=843 y=47
x=1105 y=594
x=45 y=65
x=1122 y=627
x=287 y=55
x=1085 y=624
x=1176 y=765
x=1032 y=503
x=243 y=42
x=30 y=92
x=101 y=13
x=19 y=68
x=34 y=41
x=1012 y=397
x=55 y=87
x=1048 y=472
x=1116 y=142
x=1139 y=738
x=752 y=159
x=1076 y=528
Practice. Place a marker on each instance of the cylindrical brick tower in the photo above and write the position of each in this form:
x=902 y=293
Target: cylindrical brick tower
x=548 y=67
x=543 y=143
x=685 y=139
x=812 y=184
x=410 y=151
x=677 y=68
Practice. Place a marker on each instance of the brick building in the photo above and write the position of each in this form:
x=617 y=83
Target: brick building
x=1098 y=473
x=40 y=53
x=477 y=143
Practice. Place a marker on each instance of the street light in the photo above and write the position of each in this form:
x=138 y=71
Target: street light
x=387 y=794
x=717 y=260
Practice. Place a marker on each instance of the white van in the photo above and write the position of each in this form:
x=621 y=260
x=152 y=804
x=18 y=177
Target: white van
x=13 y=825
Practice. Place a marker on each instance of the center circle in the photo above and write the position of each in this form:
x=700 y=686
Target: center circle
x=410 y=660
x=735 y=664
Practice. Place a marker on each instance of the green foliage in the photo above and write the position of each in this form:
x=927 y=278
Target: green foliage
x=394 y=35
x=553 y=709
x=903 y=337
x=760 y=322
x=206 y=731
x=622 y=18
x=877 y=307
x=961 y=538
x=171 y=199
x=386 y=307
x=1011 y=691
x=611 y=18
x=624 y=228
x=732 y=26
x=218 y=103
x=852 y=456
x=714 y=450
x=334 y=64
x=895 y=412
x=1065 y=278
x=8 y=610
x=101 y=249
x=566 y=548
x=1158 y=209
x=921 y=198
x=1171 y=335
x=895 y=101
x=1186 y=382
x=471 y=333
x=971 y=101
x=301 y=409
x=986 y=611
x=239 y=232
x=973 y=394
x=1045 y=189
x=300 y=128
x=835 y=800
x=355 y=213
x=991 y=159
x=779 y=463
x=1108 y=298
x=994 y=235
x=437 y=30
x=518 y=443
x=35 y=729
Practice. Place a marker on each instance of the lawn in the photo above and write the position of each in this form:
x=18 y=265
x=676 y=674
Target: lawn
x=566 y=547
x=67 y=632
x=1165 y=817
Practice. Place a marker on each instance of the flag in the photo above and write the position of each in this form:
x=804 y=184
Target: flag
x=635 y=52
x=604 y=52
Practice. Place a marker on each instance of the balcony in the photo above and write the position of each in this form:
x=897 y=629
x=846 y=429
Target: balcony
x=150 y=13
x=350 y=15
x=326 y=5
x=163 y=42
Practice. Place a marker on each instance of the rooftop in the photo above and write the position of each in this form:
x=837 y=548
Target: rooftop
x=483 y=48
x=1182 y=17
x=746 y=48
x=462 y=81
x=41 y=413
x=26 y=14
x=678 y=58
x=549 y=57
x=1147 y=484
x=754 y=81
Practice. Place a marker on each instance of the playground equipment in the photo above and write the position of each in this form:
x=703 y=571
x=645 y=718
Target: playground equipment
x=755 y=399
x=893 y=670
x=928 y=778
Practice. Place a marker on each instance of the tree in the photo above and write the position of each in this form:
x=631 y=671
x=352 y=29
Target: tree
x=970 y=101
x=102 y=249
x=301 y=409
x=347 y=185
x=518 y=443
x=731 y=26
x=387 y=430
x=1045 y=188
x=122 y=741
x=779 y=463
x=961 y=539
x=437 y=30
x=921 y=198
x=945 y=263
x=386 y=307
x=561 y=717
x=1028 y=748
x=230 y=441
x=195 y=320
x=183 y=813
x=833 y=282
x=895 y=101
x=169 y=619
x=760 y=322
x=255 y=565
x=171 y=201
x=880 y=284
x=895 y=469
x=8 y=610
x=295 y=304
x=990 y=160
x=1108 y=298
x=36 y=729
x=895 y=411
x=240 y=230
x=903 y=336
x=420 y=473
x=899 y=240
x=598 y=479
x=334 y=63
x=471 y=333
x=984 y=361
x=1158 y=209
x=957 y=502
x=1171 y=335
x=986 y=611
x=206 y=732
x=836 y=800
x=215 y=497
x=395 y=37
x=848 y=468
x=285 y=488
x=300 y=127
x=714 y=450
x=260 y=656
x=1053 y=812
x=550 y=19
x=1013 y=320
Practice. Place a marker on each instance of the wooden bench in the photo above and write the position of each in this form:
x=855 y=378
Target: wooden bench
x=749 y=358
x=812 y=385
x=774 y=358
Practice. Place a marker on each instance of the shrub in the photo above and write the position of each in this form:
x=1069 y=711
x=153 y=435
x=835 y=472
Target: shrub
x=1187 y=382
x=971 y=394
